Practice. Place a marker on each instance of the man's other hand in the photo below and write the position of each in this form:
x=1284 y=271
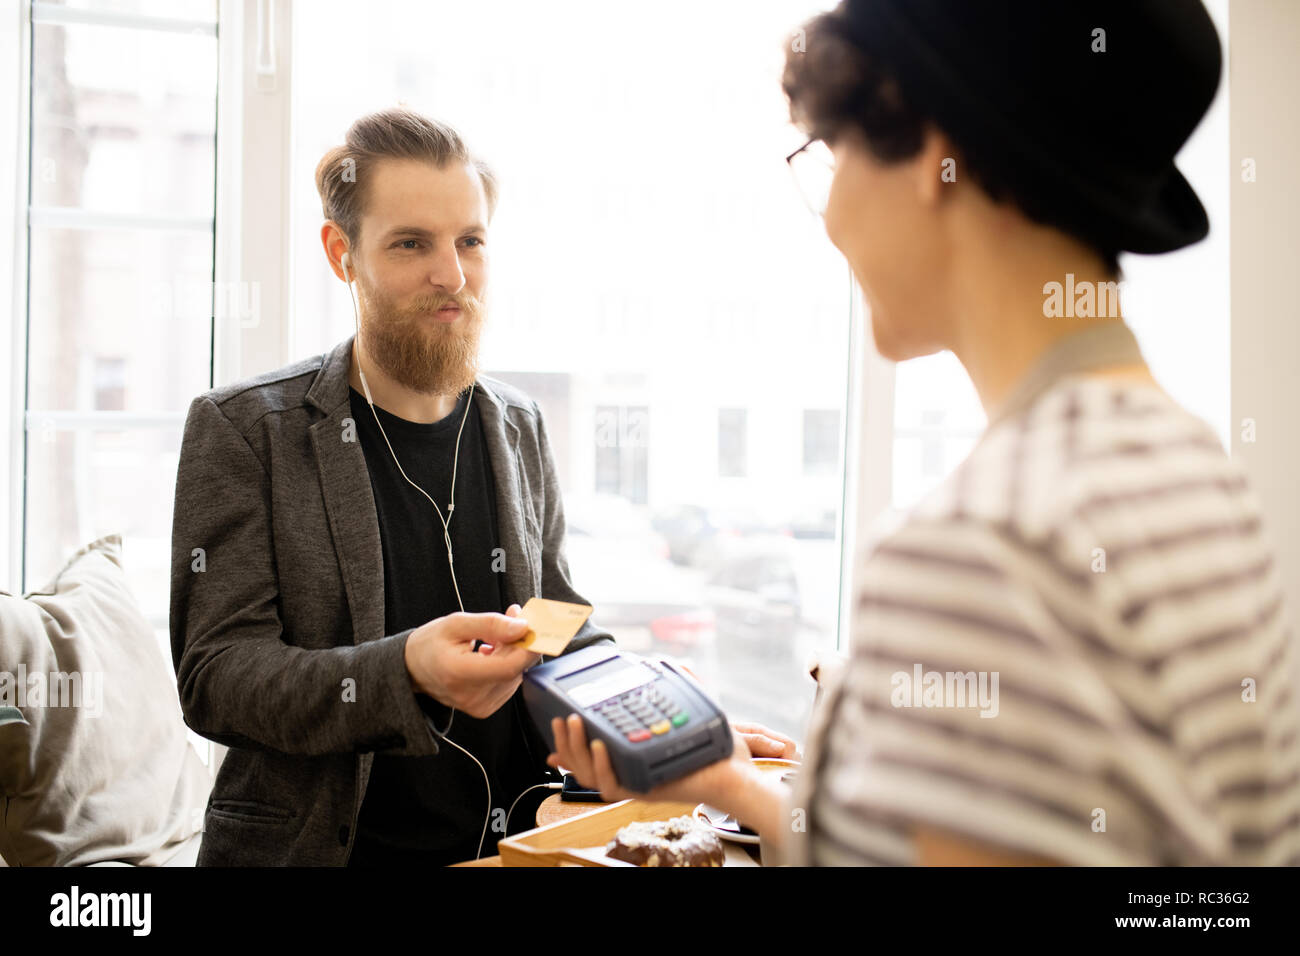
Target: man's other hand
x=443 y=663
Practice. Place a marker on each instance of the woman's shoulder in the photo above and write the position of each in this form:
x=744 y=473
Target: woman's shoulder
x=1101 y=492
x=1086 y=442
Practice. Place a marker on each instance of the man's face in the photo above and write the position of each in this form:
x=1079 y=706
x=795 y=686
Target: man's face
x=421 y=273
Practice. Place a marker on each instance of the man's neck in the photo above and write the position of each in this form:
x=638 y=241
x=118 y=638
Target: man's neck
x=395 y=398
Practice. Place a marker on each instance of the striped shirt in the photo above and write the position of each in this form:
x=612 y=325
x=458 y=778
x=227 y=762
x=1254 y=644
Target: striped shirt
x=1076 y=648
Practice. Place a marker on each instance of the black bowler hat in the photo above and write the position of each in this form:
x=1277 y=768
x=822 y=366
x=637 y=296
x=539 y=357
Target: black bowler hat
x=1084 y=123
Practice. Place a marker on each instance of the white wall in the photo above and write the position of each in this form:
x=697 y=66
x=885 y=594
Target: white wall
x=1265 y=127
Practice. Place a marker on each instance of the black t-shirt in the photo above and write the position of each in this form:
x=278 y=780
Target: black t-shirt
x=431 y=810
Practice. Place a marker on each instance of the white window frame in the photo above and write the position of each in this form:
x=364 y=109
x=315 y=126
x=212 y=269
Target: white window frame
x=868 y=457
x=254 y=97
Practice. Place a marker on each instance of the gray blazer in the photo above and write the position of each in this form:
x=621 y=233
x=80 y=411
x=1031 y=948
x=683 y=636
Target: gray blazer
x=277 y=601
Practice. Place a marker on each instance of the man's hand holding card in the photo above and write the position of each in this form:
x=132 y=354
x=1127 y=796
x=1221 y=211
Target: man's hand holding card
x=552 y=624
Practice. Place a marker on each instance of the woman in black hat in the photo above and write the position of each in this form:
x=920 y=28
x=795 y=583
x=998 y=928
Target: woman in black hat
x=1074 y=650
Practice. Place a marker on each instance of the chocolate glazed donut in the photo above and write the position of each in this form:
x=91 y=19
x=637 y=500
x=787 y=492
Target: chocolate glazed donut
x=676 y=842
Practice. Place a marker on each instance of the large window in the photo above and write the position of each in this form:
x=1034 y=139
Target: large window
x=119 y=321
x=651 y=250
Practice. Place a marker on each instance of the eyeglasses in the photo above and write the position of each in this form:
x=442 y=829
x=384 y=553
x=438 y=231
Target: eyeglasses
x=813 y=168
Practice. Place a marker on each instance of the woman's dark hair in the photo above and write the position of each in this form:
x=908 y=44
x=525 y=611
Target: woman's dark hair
x=833 y=85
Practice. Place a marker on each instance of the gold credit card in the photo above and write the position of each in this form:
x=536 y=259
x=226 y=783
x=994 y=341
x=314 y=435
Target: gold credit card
x=552 y=625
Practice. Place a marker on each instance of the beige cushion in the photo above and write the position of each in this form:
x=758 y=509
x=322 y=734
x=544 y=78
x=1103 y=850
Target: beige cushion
x=100 y=768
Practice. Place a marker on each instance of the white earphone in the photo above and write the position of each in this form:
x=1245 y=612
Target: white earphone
x=345 y=261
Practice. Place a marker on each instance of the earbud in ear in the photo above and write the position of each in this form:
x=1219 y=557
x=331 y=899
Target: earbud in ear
x=346 y=263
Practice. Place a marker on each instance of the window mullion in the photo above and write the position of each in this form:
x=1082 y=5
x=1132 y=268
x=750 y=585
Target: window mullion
x=253 y=191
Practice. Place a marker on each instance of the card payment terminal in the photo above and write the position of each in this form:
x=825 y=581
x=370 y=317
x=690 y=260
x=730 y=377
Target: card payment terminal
x=656 y=722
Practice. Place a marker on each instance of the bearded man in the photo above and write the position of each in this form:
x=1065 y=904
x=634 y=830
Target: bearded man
x=368 y=697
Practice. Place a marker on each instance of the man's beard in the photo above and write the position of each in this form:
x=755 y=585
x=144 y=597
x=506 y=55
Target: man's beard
x=418 y=351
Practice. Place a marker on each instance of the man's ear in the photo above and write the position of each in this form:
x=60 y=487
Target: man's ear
x=335 y=243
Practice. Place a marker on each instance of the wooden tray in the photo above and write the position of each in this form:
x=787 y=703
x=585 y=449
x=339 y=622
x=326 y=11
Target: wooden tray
x=580 y=841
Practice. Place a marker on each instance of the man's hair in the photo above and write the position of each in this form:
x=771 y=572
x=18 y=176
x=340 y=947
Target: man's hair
x=343 y=174
x=835 y=85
